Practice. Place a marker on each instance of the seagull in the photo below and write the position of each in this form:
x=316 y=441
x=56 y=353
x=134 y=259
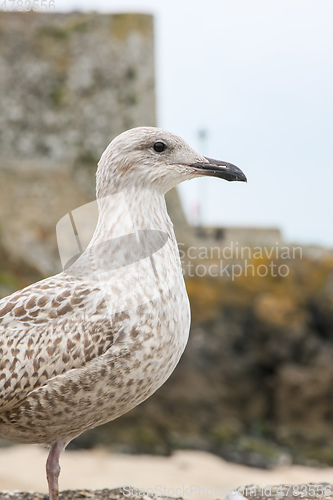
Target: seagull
x=85 y=346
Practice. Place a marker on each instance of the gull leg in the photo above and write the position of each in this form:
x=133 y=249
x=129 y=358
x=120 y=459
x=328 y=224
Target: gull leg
x=53 y=469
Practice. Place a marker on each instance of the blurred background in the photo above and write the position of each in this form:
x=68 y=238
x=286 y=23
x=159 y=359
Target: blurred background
x=246 y=82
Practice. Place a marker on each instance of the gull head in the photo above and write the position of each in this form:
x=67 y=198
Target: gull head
x=152 y=158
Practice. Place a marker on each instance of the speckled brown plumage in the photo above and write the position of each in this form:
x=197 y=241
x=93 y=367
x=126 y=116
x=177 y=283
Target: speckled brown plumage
x=57 y=372
x=85 y=346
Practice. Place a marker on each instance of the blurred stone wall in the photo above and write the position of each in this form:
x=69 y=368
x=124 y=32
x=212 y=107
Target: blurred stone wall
x=69 y=83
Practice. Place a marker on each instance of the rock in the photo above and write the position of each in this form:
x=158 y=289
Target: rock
x=116 y=494
x=309 y=491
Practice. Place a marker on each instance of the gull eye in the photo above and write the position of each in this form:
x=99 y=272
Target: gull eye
x=159 y=147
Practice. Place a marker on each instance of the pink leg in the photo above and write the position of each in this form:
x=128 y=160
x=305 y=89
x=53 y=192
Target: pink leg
x=53 y=469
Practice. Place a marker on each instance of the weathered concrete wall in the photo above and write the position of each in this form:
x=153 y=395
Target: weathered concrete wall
x=69 y=83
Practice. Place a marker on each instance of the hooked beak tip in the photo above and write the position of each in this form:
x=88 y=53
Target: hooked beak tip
x=221 y=169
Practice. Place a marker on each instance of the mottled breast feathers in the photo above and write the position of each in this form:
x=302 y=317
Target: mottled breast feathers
x=47 y=329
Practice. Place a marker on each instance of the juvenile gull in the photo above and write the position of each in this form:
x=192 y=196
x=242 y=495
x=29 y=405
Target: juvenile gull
x=85 y=346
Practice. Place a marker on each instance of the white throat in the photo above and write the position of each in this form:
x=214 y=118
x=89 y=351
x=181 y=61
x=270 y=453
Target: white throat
x=134 y=240
x=129 y=211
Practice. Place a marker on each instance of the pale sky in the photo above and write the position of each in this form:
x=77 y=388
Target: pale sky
x=258 y=75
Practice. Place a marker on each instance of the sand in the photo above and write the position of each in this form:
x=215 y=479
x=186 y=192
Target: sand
x=191 y=474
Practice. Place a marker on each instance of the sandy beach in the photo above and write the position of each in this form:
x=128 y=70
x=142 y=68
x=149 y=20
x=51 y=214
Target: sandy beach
x=191 y=474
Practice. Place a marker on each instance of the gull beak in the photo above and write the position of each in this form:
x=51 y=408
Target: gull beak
x=221 y=169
